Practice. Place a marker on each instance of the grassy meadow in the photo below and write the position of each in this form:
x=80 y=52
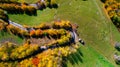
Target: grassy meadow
x=95 y=28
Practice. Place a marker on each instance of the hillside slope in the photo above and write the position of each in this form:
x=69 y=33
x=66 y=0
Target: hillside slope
x=95 y=28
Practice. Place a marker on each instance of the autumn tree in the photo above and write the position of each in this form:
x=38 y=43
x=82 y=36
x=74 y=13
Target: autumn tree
x=53 y=2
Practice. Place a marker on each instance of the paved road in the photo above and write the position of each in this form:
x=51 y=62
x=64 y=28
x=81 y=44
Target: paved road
x=36 y=5
x=74 y=36
x=17 y=25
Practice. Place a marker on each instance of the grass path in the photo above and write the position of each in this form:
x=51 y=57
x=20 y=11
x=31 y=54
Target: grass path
x=111 y=37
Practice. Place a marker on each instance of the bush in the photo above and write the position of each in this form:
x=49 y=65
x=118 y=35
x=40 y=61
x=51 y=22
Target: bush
x=116 y=20
x=117 y=46
x=47 y=3
x=117 y=59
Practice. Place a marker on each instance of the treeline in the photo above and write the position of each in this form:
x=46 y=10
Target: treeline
x=46 y=3
x=3 y=25
x=3 y=15
x=32 y=55
x=42 y=30
x=48 y=58
x=57 y=31
x=10 y=51
x=62 y=24
x=9 y=1
x=14 y=7
x=113 y=9
x=19 y=9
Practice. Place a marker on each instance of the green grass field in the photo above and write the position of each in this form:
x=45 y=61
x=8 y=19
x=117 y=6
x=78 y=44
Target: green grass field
x=34 y=20
x=28 y=1
x=95 y=28
x=87 y=57
x=4 y=36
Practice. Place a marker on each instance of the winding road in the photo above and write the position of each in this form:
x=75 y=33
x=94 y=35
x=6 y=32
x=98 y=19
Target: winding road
x=17 y=25
x=73 y=34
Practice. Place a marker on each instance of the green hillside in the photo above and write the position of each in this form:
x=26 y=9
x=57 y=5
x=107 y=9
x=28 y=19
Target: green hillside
x=5 y=36
x=95 y=28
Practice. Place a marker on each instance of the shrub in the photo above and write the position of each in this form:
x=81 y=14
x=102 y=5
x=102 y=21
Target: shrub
x=117 y=59
x=116 y=20
x=46 y=3
x=117 y=46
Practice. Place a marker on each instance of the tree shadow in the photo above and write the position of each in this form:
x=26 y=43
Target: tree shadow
x=21 y=13
x=2 y=32
x=53 y=6
x=103 y=1
x=74 y=58
x=84 y=0
x=79 y=51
